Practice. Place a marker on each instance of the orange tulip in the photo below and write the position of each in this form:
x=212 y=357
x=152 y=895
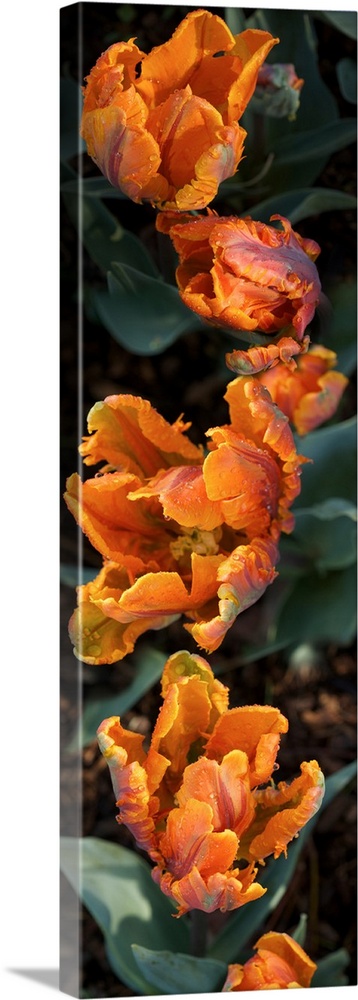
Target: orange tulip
x=192 y=800
x=245 y=275
x=309 y=395
x=164 y=127
x=280 y=964
x=180 y=533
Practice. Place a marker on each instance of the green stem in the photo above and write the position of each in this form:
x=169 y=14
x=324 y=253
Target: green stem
x=198 y=933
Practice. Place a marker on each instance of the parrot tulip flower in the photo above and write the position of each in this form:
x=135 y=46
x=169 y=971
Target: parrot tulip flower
x=245 y=275
x=192 y=800
x=163 y=126
x=309 y=395
x=180 y=532
x=277 y=93
x=280 y=964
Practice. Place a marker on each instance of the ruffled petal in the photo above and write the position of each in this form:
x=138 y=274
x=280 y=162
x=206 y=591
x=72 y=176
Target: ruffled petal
x=166 y=593
x=182 y=722
x=164 y=126
x=222 y=891
x=286 y=948
x=282 y=812
x=309 y=395
x=197 y=151
x=183 y=497
x=225 y=786
x=129 y=434
x=242 y=577
x=130 y=784
x=122 y=531
x=96 y=630
x=256 y=729
x=258 y=359
x=171 y=66
x=280 y=963
x=246 y=275
x=184 y=664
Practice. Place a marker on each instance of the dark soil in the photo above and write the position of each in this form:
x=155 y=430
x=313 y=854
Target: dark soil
x=316 y=693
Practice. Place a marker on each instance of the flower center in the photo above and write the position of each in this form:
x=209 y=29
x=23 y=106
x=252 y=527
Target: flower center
x=205 y=543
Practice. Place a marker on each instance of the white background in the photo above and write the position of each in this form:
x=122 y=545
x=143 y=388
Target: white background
x=29 y=498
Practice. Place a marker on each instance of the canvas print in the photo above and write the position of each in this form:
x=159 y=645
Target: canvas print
x=208 y=509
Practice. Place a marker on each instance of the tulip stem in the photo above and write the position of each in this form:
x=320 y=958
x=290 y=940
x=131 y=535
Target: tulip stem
x=198 y=933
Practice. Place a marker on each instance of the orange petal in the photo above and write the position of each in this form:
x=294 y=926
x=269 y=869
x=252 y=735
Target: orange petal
x=243 y=577
x=235 y=975
x=251 y=48
x=119 y=747
x=255 y=730
x=197 y=150
x=182 y=721
x=190 y=236
x=170 y=66
x=258 y=359
x=291 y=952
x=95 y=631
x=127 y=432
x=188 y=841
x=254 y=414
x=317 y=407
x=115 y=70
x=245 y=480
x=130 y=785
x=310 y=394
x=214 y=165
x=183 y=496
x=184 y=664
x=228 y=80
x=119 y=529
x=166 y=593
x=125 y=152
x=225 y=786
x=283 y=811
x=251 y=277
x=224 y=891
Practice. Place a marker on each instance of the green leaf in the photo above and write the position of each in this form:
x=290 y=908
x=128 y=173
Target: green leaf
x=331 y=508
x=116 y=886
x=298 y=45
x=142 y=313
x=332 y=472
x=147 y=669
x=104 y=238
x=341 y=335
x=318 y=142
x=92 y=187
x=176 y=973
x=324 y=536
x=73 y=576
x=276 y=878
x=71 y=102
x=330 y=970
x=347 y=78
x=302 y=203
x=320 y=608
x=235 y=20
x=249 y=653
x=345 y=21
x=299 y=934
